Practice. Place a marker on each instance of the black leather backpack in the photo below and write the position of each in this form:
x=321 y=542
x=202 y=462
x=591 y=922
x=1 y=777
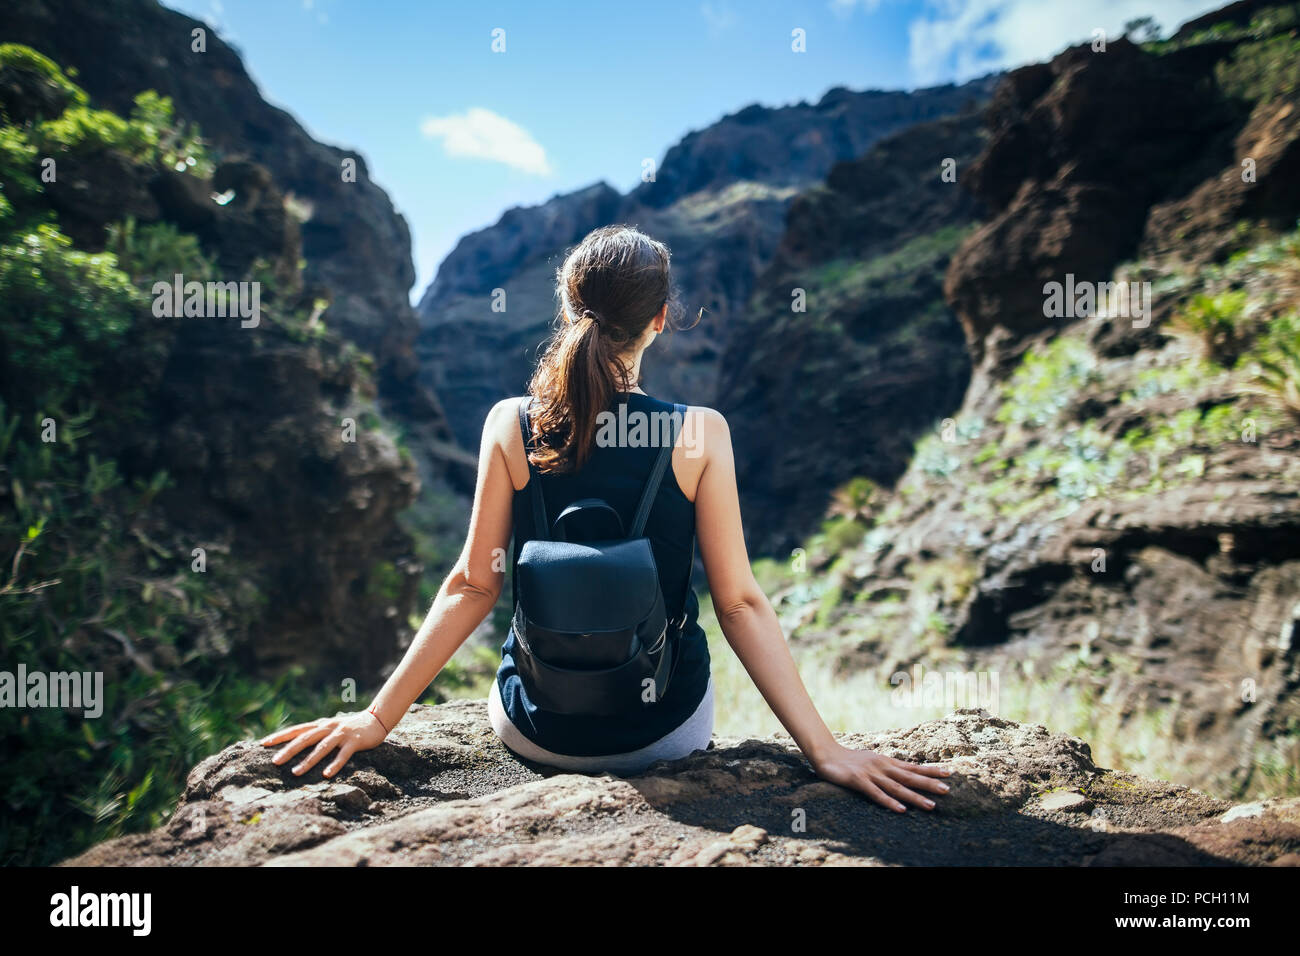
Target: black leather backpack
x=590 y=623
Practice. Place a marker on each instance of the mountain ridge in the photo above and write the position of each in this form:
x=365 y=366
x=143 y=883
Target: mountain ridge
x=718 y=199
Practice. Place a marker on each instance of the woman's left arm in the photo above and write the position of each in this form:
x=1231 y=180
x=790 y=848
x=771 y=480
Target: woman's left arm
x=464 y=600
x=751 y=627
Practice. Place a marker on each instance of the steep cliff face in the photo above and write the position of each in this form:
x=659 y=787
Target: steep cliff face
x=357 y=247
x=199 y=493
x=1069 y=177
x=245 y=415
x=719 y=199
x=1110 y=522
x=847 y=352
x=443 y=791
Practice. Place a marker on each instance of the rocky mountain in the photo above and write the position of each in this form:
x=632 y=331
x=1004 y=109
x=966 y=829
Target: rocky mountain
x=443 y=791
x=1110 y=520
x=244 y=417
x=719 y=199
x=848 y=325
x=356 y=246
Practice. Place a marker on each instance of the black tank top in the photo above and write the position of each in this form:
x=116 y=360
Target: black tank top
x=617 y=473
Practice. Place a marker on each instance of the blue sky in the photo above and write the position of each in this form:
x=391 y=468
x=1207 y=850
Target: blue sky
x=584 y=91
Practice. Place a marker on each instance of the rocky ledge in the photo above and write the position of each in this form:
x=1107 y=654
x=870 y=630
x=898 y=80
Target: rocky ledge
x=443 y=790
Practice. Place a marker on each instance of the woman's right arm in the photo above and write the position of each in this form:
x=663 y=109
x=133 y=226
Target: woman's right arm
x=751 y=627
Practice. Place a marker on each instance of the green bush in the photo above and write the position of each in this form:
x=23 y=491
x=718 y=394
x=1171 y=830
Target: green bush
x=65 y=310
x=1262 y=71
x=92 y=575
x=18 y=58
x=157 y=249
x=1218 y=325
x=19 y=187
x=150 y=135
x=86 y=585
x=1046 y=381
x=1273 y=364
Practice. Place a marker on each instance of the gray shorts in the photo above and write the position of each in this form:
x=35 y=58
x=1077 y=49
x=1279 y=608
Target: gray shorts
x=689 y=737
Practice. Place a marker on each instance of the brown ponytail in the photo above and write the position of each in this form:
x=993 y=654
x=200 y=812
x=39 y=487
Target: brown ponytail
x=610 y=287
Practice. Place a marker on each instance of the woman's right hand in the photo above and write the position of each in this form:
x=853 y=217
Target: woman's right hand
x=349 y=733
x=888 y=781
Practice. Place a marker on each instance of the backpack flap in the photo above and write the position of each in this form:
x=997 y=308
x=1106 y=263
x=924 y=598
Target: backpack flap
x=587 y=586
x=591 y=623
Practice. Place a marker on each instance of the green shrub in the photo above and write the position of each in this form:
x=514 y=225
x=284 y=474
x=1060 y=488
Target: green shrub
x=858 y=499
x=83 y=587
x=1046 y=381
x=175 y=144
x=65 y=310
x=156 y=249
x=150 y=135
x=1274 y=364
x=1262 y=71
x=19 y=187
x=1217 y=324
x=19 y=58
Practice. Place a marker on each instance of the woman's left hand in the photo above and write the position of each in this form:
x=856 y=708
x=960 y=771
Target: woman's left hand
x=886 y=780
x=349 y=733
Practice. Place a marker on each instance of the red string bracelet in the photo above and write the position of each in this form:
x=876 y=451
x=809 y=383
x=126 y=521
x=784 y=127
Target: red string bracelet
x=376 y=716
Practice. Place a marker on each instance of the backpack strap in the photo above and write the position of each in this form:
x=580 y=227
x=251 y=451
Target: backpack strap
x=541 y=527
x=677 y=419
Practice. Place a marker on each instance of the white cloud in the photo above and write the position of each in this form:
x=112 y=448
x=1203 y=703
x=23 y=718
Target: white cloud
x=482 y=134
x=718 y=17
x=961 y=39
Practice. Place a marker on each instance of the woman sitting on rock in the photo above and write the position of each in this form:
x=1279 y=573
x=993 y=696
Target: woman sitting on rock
x=588 y=426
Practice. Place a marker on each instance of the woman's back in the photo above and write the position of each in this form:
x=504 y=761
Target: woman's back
x=616 y=471
x=615 y=295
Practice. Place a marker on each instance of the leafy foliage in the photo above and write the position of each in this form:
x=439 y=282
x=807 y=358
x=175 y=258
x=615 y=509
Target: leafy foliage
x=150 y=135
x=1262 y=71
x=18 y=58
x=1274 y=364
x=88 y=585
x=156 y=249
x=93 y=577
x=74 y=307
x=1217 y=323
x=1046 y=381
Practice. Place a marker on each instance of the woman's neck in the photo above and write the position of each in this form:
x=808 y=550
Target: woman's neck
x=632 y=371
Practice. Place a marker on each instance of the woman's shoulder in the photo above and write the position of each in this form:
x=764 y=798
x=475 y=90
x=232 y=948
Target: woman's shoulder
x=501 y=431
x=503 y=419
x=705 y=433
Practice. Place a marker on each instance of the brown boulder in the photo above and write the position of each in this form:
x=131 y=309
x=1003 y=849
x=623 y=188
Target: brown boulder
x=443 y=791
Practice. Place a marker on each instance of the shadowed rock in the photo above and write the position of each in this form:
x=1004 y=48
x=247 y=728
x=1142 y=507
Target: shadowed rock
x=443 y=790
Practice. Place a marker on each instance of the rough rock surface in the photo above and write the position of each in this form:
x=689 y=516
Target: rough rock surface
x=443 y=790
x=1077 y=185
x=1036 y=535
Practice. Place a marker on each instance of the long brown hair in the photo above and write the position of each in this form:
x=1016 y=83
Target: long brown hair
x=610 y=287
